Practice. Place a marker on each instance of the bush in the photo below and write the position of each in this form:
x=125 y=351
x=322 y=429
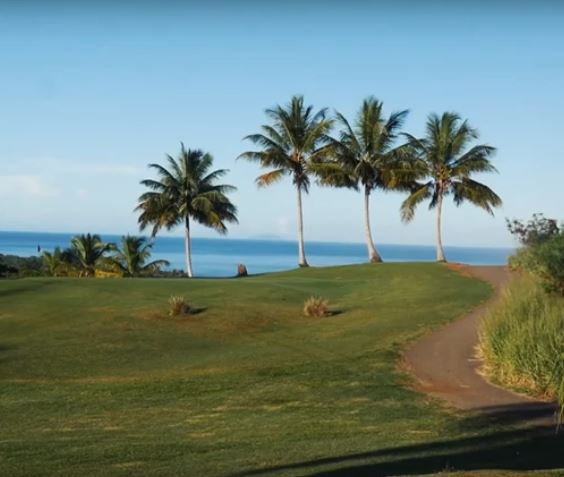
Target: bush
x=317 y=307
x=548 y=264
x=522 y=340
x=542 y=251
x=178 y=306
x=535 y=231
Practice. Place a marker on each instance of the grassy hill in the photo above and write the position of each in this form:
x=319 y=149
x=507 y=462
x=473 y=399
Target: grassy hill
x=96 y=379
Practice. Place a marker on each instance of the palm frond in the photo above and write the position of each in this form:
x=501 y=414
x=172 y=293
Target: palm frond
x=270 y=177
x=420 y=194
x=476 y=193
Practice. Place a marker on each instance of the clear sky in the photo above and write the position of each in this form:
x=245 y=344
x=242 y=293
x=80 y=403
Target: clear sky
x=90 y=95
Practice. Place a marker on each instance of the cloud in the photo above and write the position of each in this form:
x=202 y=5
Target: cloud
x=26 y=185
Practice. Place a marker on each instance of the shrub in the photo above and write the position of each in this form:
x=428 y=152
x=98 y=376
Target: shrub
x=548 y=264
x=542 y=251
x=535 y=231
x=317 y=307
x=178 y=306
x=522 y=340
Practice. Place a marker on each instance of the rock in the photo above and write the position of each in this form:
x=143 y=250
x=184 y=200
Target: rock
x=242 y=270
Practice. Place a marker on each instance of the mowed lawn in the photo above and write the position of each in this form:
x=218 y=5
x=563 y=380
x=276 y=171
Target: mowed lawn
x=95 y=379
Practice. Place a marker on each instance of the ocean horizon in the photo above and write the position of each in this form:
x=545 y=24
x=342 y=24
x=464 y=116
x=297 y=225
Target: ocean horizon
x=219 y=257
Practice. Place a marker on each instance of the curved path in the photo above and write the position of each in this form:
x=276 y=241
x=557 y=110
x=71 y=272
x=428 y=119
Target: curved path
x=444 y=364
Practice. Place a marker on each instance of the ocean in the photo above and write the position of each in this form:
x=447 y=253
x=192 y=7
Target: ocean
x=220 y=257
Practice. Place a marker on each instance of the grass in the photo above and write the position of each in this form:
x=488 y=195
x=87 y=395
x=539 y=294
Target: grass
x=522 y=340
x=95 y=379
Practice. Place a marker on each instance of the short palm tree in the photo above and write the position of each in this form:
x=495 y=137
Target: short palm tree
x=186 y=191
x=446 y=162
x=131 y=257
x=89 y=252
x=53 y=262
x=288 y=146
x=364 y=156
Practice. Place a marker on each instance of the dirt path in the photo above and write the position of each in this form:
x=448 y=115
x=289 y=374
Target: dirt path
x=445 y=365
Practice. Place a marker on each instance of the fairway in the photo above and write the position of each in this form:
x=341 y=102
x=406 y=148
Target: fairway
x=96 y=379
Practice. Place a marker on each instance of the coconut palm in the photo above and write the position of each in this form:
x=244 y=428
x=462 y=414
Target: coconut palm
x=288 y=146
x=89 y=252
x=186 y=191
x=364 y=157
x=54 y=264
x=448 y=165
x=131 y=257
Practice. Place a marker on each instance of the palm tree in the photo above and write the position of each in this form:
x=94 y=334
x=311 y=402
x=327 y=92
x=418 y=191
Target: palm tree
x=186 y=190
x=89 y=252
x=364 y=156
x=53 y=263
x=444 y=160
x=131 y=258
x=289 y=145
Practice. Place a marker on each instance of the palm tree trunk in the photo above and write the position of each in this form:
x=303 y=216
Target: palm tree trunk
x=440 y=251
x=302 y=262
x=373 y=255
x=187 y=245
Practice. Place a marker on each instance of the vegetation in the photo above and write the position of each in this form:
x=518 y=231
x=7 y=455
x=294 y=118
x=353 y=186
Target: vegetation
x=132 y=256
x=89 y=252
x=522 y=340
x=53 y=263
x=448 y=167
x=364 y=156
x=186 y=190
x=534 y=232
x=290 y=145
x=541 y=252
x=95 y=382
x=12 y=265
x=316 y=306
x=178 y=306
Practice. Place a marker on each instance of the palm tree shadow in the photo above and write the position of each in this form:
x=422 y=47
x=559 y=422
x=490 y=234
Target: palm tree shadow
x=536 y=446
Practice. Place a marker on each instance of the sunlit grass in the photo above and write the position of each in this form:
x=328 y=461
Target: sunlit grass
x=95 y=379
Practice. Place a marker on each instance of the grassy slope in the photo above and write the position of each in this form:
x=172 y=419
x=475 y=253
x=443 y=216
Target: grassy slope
x=94 y=380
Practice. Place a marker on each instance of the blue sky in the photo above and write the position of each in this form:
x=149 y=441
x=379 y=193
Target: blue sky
x=90 y=95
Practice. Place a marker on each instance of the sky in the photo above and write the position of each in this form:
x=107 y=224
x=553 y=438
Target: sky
x=90 y=94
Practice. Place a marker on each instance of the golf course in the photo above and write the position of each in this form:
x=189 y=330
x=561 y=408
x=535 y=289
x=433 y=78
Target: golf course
x=97 y=379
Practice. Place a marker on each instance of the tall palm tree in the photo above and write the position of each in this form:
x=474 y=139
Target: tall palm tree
x=186 y=190
x=288 y=146
x=364 y=157
x=131 y=257
x=446 y=162
x=89 y=252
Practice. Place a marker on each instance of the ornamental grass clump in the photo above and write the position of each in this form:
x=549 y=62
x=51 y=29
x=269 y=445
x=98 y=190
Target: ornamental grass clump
x=317 y=307
x=522 y=340
x=178 y=306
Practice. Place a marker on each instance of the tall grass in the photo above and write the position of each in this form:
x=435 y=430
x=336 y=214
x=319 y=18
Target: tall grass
x=522 y=340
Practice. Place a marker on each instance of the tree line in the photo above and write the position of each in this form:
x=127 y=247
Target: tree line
x=88 y=255
x=367 y=154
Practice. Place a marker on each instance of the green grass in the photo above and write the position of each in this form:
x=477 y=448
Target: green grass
x=523 y=340
x=95 y=379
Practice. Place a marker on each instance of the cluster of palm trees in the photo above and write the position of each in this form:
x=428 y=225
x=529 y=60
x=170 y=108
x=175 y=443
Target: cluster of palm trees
x=89 y=253
x=365 y=155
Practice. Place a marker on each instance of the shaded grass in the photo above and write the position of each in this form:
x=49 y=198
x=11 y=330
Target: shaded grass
x=93 y=380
